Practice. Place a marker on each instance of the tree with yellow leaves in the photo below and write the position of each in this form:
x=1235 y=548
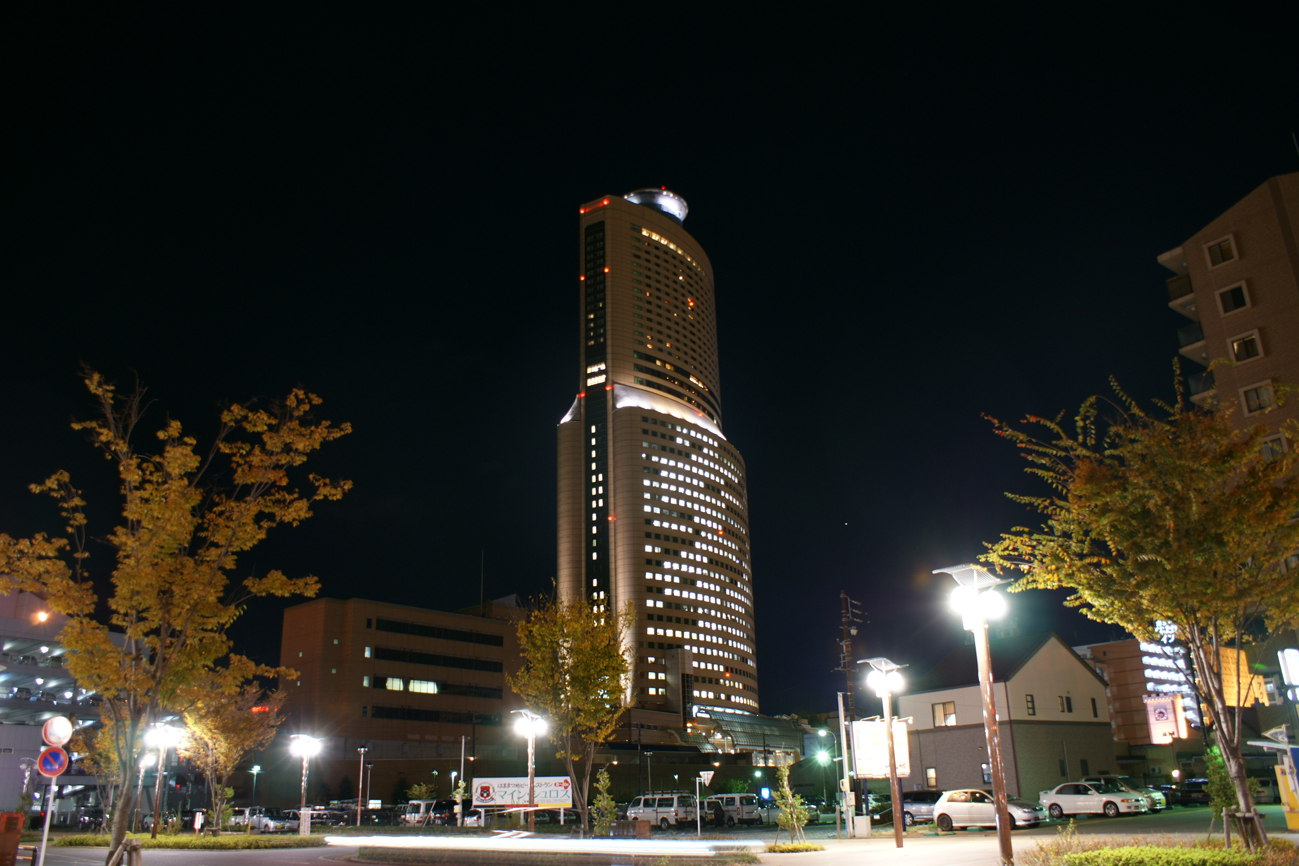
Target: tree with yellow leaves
x=186 y=516
x=1176 y=515
x=223 y=725
x=574 y=673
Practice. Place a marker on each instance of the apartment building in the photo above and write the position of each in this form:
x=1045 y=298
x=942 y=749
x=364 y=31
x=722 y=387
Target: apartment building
x=1237 y=279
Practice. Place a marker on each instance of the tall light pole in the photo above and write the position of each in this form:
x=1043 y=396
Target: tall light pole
x=163 y=737
x=530 y=725
x=360 y=771
x=977 y=600
x=256 y=771
x=146 y=761
x=885 y=680
x=369 y=787
x=305 y=747
x=846 y=794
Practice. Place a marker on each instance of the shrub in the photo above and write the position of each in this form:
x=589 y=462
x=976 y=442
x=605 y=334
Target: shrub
x=1154 y=855
x=196 y=843
x=796 y=848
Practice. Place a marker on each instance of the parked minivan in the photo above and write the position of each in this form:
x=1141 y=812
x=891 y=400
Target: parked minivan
x=663 y=808
x=736 y=808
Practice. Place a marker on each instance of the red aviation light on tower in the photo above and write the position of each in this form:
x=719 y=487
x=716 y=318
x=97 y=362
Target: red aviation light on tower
x=606 y=269
x=608 y=387
x=606 y=201
x=583 y=277
x=581 y=394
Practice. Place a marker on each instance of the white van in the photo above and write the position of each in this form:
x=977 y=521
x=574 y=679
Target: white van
x=663 y=808
x=737 y=808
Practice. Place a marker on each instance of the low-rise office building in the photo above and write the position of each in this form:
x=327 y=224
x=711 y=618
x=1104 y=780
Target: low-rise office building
x=405 y=683
x=1052 y=714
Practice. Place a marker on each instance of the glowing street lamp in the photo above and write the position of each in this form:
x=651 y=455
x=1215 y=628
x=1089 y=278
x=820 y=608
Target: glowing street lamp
x=977 y=600
x=256 y=770
x=885 y=680
x=162 y=737
x=306 y=747
x=531 y=726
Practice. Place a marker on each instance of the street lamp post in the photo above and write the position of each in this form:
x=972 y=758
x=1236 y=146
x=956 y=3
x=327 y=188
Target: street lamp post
x=530 y=725
x=369 y=788
x=360 y=771
x=885 y=680
x=256 y=771
x=846 y=795
x=305 y=747
x=163 y=737
x=976 y=599
x=146 y=761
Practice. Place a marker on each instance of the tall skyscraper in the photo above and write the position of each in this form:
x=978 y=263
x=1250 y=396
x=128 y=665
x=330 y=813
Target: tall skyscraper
x=653 y=508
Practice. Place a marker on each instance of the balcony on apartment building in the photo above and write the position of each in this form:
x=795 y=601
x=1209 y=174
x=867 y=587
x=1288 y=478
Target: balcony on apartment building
x=1190 y=343
x=1181 y=295
x=1200 y=385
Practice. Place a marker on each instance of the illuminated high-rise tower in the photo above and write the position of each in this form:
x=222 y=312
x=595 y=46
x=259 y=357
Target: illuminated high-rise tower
x=653 y=507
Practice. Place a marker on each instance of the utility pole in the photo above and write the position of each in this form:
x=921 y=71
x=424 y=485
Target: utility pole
x=850 y=613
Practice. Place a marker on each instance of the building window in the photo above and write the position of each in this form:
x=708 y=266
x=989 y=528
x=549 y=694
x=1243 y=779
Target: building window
x=1096 y=714
x=429 y=687
x=1068 y=704
x=1257 y=398
x=365 y=681
x=945 y=714
x=1246 y=347
x=1061 y=703
x=364 y=711
x=986 y=771
x=1273 y=448
x=1233 y=299
x=1031 y=704
x=1221 y=251
x=1086 y=771
x=367 y=652
x=931 y=777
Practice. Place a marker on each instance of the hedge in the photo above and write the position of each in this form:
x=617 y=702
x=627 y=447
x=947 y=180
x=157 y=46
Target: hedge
x=1152 y=855
x=238 y=842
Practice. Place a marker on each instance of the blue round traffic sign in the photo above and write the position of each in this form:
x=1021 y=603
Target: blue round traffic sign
x=52 y=762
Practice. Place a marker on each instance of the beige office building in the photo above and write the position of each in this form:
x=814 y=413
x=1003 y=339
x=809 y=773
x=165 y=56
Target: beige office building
x=653 y=507
x=1238 y=280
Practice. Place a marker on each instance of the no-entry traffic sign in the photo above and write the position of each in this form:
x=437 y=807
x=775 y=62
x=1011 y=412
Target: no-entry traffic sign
x=52 y=762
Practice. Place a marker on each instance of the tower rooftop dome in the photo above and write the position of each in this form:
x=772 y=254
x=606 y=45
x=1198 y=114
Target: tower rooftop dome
x=661 y=199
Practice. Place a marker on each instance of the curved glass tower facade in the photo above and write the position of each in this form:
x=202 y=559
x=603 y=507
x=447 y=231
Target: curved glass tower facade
x=653 y=507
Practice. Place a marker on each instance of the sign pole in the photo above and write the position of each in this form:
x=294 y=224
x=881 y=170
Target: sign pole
x=49 y=811
x=699 y=812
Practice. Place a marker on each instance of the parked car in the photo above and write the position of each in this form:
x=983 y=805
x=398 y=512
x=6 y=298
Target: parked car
x=475 y=818
x=1080 y=798
x=1192 y=792
x=970 y=807
x=418 y=813
x=663 y=808
x=317 y=818
x=1267 y=790
x=918 y=806
x=735 y=809
x=270 y=820
x=1155 y=799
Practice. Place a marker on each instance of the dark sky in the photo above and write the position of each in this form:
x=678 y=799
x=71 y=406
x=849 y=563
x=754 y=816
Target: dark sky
x=912 y=221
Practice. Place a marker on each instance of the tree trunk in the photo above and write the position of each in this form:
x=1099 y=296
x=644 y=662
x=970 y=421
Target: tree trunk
x=120 y=818
x=1226 y=729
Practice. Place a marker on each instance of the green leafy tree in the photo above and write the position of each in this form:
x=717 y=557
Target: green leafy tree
x=186 y=517
x=1173 y=515
x=575 y=674
x=734 y=786
x=603 y=809
x=223 y=725
x=792 y=815
x=421 y=791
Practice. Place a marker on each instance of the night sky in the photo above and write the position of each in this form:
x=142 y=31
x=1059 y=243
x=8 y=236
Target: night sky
x=912 y=221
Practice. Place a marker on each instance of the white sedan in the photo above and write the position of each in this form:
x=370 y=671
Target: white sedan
x=1080 y=798
x=970 y=807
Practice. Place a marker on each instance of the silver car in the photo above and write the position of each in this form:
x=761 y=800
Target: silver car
x=918 y=806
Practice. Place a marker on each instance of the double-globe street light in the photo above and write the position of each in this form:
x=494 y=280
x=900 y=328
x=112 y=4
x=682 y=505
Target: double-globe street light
x=161 y=737
x=306 y=747
x=885 y=680
x=531 y=726
x=977 y=600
